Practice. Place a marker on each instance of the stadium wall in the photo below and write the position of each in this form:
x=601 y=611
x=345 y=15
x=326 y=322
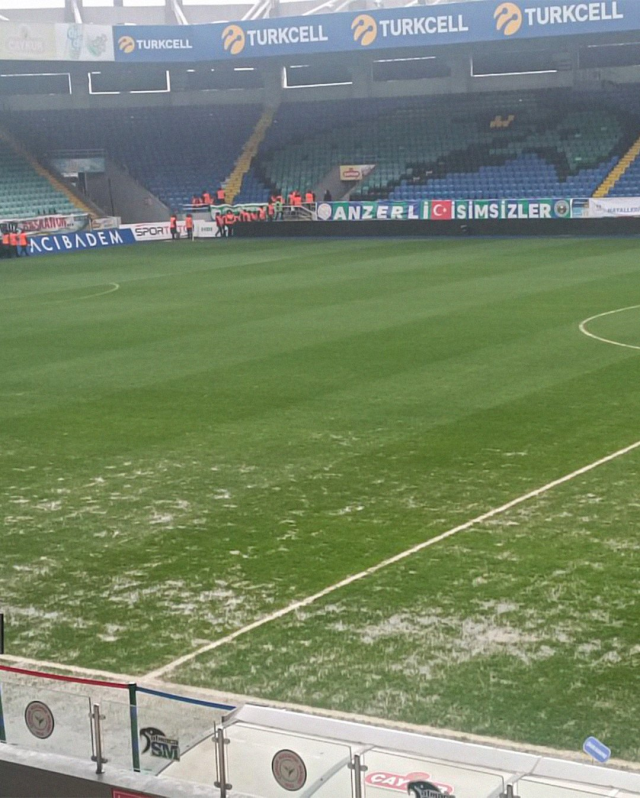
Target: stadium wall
x=430 y=228
x=361 y=84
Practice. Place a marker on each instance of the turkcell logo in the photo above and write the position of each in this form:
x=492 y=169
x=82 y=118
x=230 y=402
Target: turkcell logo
x=596 y=750
x=74 y=242
x=235 y=39
x=129 y=45
x=510 y=18
x=366 y=30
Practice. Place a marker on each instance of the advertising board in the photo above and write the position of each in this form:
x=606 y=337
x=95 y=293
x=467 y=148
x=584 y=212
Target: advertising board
x=79 y=242
x=376 y=29
x=445 y=210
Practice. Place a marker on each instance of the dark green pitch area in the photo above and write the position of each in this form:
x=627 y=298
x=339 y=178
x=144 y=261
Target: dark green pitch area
x=195 y=435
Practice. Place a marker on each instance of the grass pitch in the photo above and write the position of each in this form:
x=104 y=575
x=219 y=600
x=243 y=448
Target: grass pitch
x=241 y=424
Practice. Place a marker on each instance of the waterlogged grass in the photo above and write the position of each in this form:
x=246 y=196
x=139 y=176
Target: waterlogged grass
x=242 y=424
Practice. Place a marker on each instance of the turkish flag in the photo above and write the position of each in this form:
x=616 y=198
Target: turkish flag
x=442 y=209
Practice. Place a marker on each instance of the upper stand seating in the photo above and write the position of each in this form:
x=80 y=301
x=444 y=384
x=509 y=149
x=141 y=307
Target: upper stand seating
x=174 y=152
x=515 y=144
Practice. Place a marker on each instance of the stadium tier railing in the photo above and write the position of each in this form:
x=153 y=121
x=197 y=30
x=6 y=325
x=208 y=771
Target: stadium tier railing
x=271 y=753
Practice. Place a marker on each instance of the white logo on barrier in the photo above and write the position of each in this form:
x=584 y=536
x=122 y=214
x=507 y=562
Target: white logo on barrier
x=323 y=211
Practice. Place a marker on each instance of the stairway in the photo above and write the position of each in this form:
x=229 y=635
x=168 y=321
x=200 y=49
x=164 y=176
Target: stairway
x=249 y=151
x=618 y=170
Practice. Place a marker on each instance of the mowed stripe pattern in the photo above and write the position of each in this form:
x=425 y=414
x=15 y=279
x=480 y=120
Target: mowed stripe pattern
x=242 y=424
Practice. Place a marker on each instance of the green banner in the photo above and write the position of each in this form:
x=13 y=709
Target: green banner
x=470 y=210
x=444 y=210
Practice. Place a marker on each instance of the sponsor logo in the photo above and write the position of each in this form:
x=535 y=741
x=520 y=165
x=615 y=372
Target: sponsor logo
x=233 y=39
x=562 y=209
x=289 y=770
x=25 y=43
x=419 y=785
x=422 y=26
x=126 y=44
x=365 y=30
x=572 y=13
x=299 y=34
x=441 y=209
x=323 y=211
x=580 y=208
x=158 y=744
x=508 y=17
x=42 y=245
x=151 y=230
x=39 y=720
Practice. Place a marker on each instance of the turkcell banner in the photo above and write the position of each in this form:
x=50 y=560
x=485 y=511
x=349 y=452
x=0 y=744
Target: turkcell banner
x=445 y=210
x=419 y=26
x=59 y=42
x=79 y=242
x=614 y=207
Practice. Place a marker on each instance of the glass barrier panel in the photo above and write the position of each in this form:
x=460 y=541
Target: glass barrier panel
x=170 y=728
x=274 y=764
x=544 y=788
x=389 y=771
x=47 y=720
x=116 y=731
x=196 y=765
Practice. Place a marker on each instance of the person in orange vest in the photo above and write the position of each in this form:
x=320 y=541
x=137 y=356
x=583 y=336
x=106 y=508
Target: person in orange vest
x=173 y=227
x=222 y=231
x=230 y=220
x=188 y=223
x=207 y=199
x=309 y=199
x=13 y=243
x=262 y=214
x=23 y=244
x=291 y=199
x=220 y=196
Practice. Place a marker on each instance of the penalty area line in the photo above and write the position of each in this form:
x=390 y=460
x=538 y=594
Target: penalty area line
x=403 y=555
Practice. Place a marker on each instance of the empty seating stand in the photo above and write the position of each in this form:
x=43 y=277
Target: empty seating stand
x=24 y=192
x=173 y=152
x=533 y=144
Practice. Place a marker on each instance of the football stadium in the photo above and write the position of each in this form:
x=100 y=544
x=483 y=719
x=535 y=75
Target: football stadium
x=319 y=405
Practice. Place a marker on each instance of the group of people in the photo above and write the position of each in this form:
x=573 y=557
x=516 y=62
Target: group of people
x=15 y=243
x=226 y=222
x=207 y=198
x=175 y=230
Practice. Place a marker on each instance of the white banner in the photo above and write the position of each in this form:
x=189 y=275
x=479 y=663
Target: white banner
x=205 y=229
x=106 y=223
x=59 y=42
x=355 y=172
x=84 y=42
x=613 y=207
x=154 y=231
x=44 y=225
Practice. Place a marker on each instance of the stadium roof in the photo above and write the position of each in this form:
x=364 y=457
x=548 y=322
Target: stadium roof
x=181 y=12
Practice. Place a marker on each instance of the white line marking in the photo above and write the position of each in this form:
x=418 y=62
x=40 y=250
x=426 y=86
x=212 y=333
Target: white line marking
x=296 y=605
x=116 y=286
x=583 y=327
